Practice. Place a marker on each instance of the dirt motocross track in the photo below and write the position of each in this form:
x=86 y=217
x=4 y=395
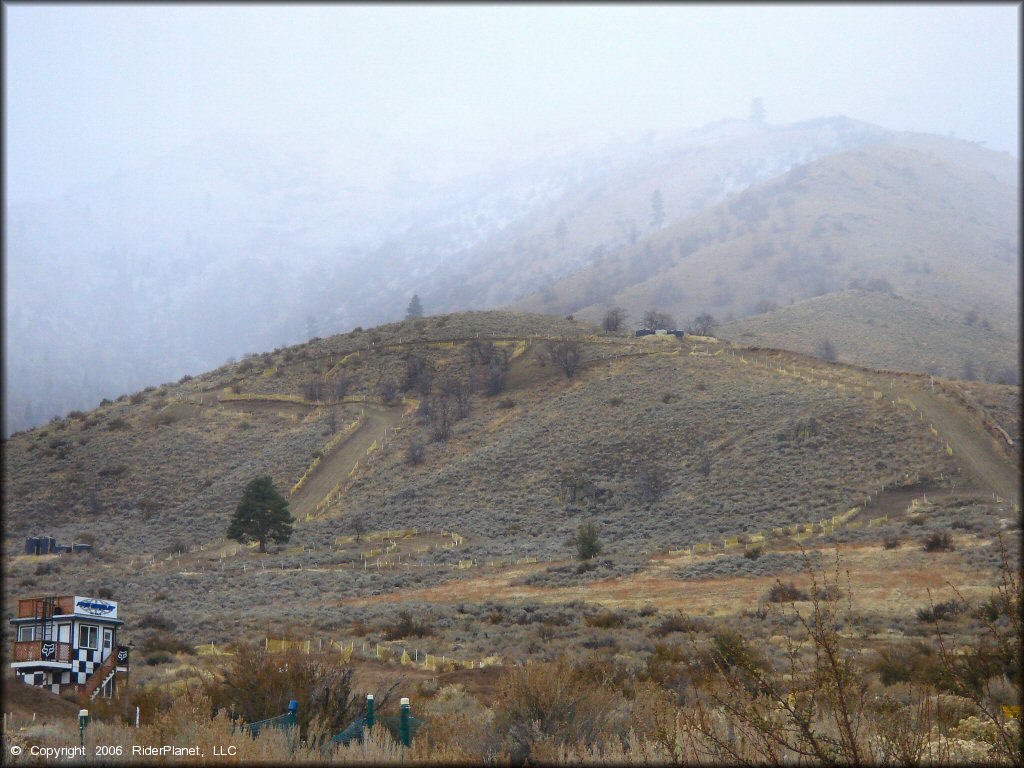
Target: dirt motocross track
x=974 y=448
x=337 y=465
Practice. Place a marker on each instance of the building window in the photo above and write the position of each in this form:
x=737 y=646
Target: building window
x=29 y=632
x=89 y=637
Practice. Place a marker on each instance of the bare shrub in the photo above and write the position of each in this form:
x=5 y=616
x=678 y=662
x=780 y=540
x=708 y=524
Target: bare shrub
x=940 y=611
x=459 y=392
x=254 y=685
x=340 y=386
x=151 y=701
x=906 y=662
x=655 y=320
x=406 y=626
x=415 y=453
x=442 y=417
x=679 y=622
x=548 y=705
x=357 y=525
x=605 y=619
x=313 y=389
x=495 y=377
x=568 y=353
x=155 y=621
x=975 y=673
x=812 y=707
x=166 y=642
x=651 y=483
x=387 y=389
x=704 y=461
x=937 y=541
x=459 y=728
x=785 y=593
x=826 y=350
x=701 y=325
x=419 y=374
x=614 y=319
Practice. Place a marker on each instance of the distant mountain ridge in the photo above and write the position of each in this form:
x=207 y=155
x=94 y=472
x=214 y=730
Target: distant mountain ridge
x=226 y=248
x=910 y=222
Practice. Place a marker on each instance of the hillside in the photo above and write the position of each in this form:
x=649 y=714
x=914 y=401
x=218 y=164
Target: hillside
x=885 y=217
x=612 y=207
x=663 y=445
x=882 y=330
x=844 y=218
x=162 y=249
x=341 y=230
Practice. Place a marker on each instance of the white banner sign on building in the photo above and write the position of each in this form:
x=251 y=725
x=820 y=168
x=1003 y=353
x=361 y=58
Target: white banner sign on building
x=95 y=606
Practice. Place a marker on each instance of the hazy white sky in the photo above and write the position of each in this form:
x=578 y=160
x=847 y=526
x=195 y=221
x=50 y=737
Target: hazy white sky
x=90 y=89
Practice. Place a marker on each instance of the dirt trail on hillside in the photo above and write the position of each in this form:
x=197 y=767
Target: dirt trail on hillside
x=339 y=463
x=974 y=448
x=279 y=407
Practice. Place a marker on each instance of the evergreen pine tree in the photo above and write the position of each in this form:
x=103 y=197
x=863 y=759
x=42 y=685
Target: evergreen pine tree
x=262 y=515
x=588 y=545
x=415 y=309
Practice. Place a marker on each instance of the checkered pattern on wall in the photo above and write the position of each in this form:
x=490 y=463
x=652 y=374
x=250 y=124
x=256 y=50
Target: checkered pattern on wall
x=56 y=678
x=83 y=664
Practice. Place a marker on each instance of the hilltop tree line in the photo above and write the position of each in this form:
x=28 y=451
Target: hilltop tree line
x=614 y=320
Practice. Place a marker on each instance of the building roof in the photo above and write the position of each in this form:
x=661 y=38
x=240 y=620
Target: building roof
x=68 y=606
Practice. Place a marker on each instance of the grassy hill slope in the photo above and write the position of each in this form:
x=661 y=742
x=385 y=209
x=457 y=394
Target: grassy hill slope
x=662 y=444
x=882 y=330
x=941 y=234
x=690 y=172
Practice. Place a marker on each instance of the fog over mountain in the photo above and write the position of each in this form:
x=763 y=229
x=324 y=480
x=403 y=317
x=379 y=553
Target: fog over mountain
x=228 y=247
x=303 y=171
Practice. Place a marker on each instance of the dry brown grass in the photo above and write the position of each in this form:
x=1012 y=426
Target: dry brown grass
x=881 y=331
x=496 y=483
x=848 y=216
